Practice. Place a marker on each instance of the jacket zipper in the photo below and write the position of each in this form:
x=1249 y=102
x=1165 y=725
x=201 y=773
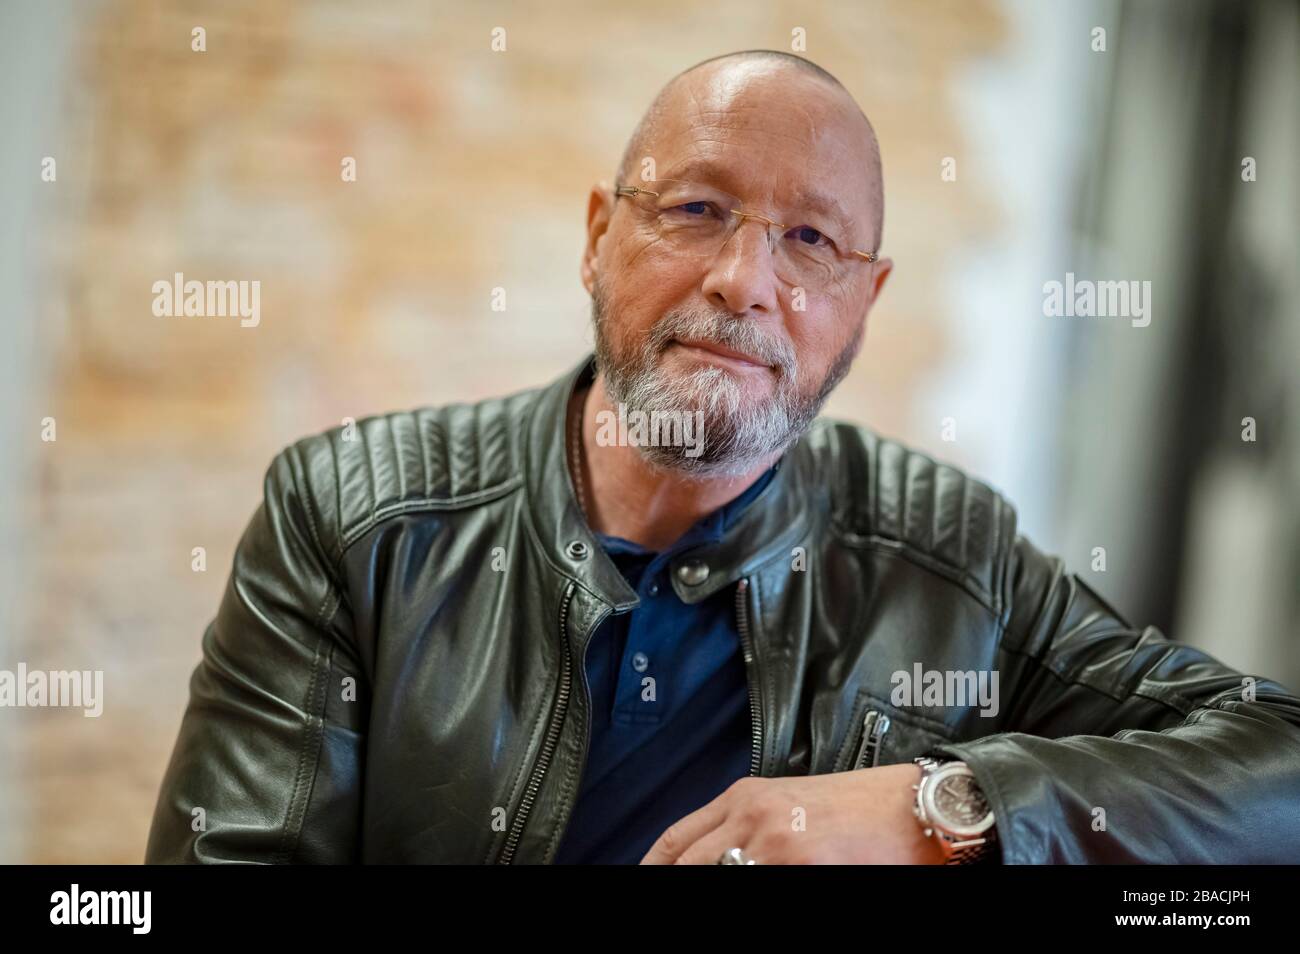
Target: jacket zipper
x=747 y=648
x=874 y=726
x=552 y=734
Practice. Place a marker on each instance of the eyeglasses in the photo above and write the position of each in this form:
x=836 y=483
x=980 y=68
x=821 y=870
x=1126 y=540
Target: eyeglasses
x=698 y=220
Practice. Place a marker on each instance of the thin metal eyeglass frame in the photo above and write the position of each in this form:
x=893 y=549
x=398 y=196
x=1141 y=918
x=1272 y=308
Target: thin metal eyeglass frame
x=632 y=191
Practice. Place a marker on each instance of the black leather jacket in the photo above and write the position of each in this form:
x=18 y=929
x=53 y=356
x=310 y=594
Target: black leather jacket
x=395 y=672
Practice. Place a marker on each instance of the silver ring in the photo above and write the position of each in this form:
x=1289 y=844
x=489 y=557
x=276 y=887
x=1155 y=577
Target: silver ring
x=734 y=856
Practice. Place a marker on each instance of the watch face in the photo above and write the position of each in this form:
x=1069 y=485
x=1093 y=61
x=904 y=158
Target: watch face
x=958 y=802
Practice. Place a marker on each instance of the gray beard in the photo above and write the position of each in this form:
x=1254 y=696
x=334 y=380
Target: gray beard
x=737 y=434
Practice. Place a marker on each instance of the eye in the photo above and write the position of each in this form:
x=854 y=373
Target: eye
x=696 y=208
x=808 y=235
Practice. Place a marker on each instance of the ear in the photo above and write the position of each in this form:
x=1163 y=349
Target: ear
x=881 y=273
x=882 y=270
x=600 y=209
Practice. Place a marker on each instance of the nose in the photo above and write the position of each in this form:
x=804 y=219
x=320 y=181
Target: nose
x=740 y=277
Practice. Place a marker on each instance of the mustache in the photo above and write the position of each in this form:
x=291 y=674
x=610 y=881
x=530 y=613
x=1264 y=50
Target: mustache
x=719 y=329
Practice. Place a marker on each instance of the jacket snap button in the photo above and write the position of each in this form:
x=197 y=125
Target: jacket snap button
x=693 y=572
x=640 y=662
x=577 y=550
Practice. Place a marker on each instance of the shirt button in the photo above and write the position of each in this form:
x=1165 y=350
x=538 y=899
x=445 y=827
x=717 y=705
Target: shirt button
x=640 y=662
x=693 y=572
x=654 y=589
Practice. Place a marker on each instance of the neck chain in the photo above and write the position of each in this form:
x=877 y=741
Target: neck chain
x=575 y=457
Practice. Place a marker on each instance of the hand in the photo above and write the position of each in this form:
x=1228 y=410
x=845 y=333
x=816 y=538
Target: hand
x=859 y=817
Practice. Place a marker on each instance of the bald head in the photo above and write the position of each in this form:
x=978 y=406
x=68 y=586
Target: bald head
x=723 y=78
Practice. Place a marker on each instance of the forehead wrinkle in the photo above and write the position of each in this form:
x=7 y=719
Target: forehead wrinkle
x=750 y=118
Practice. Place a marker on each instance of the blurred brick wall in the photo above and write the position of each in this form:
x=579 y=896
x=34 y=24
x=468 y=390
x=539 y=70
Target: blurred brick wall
x=473 y=170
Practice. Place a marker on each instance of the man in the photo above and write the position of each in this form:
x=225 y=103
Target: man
x=539 y=629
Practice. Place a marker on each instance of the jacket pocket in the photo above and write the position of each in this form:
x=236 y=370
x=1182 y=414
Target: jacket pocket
x=882 y=734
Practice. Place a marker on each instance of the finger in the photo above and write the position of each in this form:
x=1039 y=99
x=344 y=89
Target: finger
x=684 y=832
x=708 y=849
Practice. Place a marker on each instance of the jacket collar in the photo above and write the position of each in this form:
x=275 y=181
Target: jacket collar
x=768 y=528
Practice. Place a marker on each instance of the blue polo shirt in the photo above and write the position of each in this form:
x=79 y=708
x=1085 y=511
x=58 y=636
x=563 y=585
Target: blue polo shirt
x=670 y=724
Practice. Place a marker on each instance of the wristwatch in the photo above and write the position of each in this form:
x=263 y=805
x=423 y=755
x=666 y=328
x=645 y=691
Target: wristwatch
x=953 y=811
